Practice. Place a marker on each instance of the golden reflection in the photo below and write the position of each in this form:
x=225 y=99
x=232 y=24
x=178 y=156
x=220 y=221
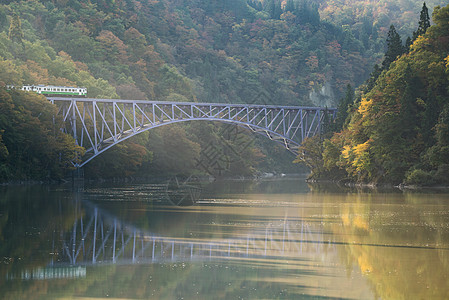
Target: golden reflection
x=349 y=245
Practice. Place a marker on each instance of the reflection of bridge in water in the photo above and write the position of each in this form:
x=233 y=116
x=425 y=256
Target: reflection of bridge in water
x=102 y=238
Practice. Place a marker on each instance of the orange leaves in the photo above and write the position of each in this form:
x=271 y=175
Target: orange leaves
x=312 y=62
x=114 y=48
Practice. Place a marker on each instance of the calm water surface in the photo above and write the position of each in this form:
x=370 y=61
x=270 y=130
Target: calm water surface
x=239 y=240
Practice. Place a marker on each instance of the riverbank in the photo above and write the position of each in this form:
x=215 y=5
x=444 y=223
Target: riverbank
x=376 y=186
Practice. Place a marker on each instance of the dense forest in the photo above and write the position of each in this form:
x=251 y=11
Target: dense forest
x=396 y=130
x=295 y=52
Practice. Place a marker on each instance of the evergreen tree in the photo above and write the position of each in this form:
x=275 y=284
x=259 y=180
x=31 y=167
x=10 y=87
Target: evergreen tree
x=394 y=48
x=290 y=6
x=408 y=105
x=343 y=107
x=15 y=29
x=277 y=10
x=408 y=43
x=3 y=18
x=430 y=118
x=373 y=77
x=270 y=7
x=424 y=22
x=301 y=13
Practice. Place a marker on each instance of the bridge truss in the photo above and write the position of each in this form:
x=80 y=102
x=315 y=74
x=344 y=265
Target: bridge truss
x=99 y=124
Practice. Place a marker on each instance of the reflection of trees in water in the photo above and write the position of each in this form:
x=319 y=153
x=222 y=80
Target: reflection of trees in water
x=29 y=218
x=402 y=249
x=111 y=251
x=384 y=235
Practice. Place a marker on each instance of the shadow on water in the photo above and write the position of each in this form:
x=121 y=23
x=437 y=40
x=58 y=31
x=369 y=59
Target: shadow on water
x=187 y=191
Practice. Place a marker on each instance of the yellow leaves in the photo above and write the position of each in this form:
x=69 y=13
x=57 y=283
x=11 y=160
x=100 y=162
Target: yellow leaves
x=447 y=64
x=355 y=152
x=365 y=106
x=361 y=148
x=361 y=157
x=360 y=223
x=346 y=151
x=364 y=264
x=421 y=42
x=357 y=158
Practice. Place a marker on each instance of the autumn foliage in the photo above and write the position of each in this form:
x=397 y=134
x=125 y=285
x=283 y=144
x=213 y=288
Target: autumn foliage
x=398 y=130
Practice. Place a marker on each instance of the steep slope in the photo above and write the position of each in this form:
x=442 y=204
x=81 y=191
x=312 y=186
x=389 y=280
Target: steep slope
x=235 y=51
x=398 y=131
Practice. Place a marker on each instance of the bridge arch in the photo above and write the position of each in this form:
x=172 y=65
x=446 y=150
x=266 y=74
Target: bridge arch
x=99 y=124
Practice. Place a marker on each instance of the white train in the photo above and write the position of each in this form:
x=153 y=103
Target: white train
x=51 y=90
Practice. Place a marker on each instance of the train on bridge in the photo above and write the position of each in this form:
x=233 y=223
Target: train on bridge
x=51 y=90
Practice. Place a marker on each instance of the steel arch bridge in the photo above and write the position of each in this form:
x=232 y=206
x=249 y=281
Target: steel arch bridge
x=99 y=124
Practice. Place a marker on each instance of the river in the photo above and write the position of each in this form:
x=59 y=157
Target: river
x=268 y=239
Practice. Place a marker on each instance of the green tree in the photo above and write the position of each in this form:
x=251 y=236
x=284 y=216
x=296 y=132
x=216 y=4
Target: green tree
x=35 y=148
x=15 y=29
x=408 y=105
x=290 y=6
x=311 y=154
x=394 y=48
x=3 y=18
x=373 y=78
x=424 y=22
x=343 y=107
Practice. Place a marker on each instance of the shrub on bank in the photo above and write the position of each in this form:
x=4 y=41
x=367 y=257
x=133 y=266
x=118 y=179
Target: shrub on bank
x=442 y=174
x=419 y=177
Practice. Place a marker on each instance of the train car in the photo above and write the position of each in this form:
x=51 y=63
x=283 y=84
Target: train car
x=51 y=90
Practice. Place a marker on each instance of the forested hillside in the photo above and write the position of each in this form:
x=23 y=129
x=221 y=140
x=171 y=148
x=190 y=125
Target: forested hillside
x=30 y=145
x=397 y=129
x=295 y=52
